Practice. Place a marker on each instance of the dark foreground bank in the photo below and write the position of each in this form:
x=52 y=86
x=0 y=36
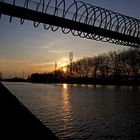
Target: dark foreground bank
x=16 y=122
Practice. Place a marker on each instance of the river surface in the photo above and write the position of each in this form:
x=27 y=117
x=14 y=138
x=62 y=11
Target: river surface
x=83 y=112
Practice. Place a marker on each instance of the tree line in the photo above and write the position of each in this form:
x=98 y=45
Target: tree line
x=116 y=66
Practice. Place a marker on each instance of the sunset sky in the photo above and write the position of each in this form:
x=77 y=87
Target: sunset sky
x=23 y=47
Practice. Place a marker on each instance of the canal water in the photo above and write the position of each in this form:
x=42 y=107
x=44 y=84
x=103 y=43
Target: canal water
x=83 y=112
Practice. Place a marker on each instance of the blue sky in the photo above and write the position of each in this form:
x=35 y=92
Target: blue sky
x=23 y=47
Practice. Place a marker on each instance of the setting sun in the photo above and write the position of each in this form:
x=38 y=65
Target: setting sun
x=64 y=69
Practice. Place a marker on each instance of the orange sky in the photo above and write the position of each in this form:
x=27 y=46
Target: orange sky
x=36 y=50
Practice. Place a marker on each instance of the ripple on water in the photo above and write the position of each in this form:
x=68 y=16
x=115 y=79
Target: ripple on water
x=83 y=112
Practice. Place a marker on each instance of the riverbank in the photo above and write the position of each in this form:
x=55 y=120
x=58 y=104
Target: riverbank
x=90 y=81
x=86 y=82
x=17 y=122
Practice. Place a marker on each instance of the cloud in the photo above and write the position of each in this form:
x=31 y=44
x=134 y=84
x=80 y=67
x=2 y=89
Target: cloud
x=57 y=51
x=42 y=64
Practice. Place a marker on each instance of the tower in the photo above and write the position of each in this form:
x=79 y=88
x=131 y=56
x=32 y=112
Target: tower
x=55 y=65
x=71 y=59
x=55 y=68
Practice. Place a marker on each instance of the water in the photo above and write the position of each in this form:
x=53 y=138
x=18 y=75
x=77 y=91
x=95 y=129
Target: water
x=77 y=112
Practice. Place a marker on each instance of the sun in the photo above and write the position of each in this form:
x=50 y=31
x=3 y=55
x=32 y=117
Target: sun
x=64 y=69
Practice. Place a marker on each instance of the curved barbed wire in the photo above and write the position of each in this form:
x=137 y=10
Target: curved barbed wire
x=85 y=13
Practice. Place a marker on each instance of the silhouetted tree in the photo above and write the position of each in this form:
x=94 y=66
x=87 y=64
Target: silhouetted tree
x=118 y=66
x=103 y=65
x=134 y=61
x=115 y=64
x=96 y=62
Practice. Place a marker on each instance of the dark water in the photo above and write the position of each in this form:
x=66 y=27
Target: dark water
x=83 y=112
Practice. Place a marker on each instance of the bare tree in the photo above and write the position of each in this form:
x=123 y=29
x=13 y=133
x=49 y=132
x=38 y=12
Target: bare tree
x=115 y=63
x=134 y=61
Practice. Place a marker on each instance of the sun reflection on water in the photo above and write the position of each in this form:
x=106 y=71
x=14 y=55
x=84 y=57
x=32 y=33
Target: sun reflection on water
x=65 y=86
x=65 y=95
x=66 y=108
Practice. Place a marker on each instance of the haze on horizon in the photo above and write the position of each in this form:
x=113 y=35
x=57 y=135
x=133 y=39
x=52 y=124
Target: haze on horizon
x=36 y=50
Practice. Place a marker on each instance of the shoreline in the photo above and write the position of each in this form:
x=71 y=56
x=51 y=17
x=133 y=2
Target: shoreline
x=17 y=122
x=86 y=82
